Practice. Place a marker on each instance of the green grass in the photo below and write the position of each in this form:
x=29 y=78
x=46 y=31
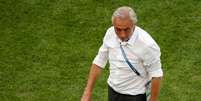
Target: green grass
x=47 y=46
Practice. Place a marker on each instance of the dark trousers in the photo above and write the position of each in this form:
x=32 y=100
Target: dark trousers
x=115 y=96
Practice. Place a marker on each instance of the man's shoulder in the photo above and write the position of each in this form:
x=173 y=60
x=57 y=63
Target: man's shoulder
x=111 y=28
x=110 y=37
x=145 y=43
x=109 y=33
x=144 y=38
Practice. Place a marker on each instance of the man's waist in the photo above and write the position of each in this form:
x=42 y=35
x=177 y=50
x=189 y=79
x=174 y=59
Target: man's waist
x=131 y=86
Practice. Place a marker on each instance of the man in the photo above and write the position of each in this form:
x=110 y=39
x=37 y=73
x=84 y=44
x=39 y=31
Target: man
x=140 y=49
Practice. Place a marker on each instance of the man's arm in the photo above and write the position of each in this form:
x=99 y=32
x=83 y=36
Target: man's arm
x=95 y=72
x=155 y=89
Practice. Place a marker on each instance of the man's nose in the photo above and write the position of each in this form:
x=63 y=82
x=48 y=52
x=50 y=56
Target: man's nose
x=123 y=33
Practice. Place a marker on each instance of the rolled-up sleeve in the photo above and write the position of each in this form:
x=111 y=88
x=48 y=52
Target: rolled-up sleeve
x=152 y=61
x=102 y=56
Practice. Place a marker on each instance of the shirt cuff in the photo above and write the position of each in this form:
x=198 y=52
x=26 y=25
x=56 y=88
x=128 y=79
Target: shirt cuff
x=156 y=73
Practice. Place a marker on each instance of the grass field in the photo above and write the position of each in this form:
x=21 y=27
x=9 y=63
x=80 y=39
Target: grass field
x=47 y=46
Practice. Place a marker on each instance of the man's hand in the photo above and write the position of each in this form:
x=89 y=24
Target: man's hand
x=155 y=89
x=93 y=75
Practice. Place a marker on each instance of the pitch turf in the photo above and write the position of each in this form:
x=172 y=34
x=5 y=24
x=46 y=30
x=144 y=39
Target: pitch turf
x=47 y=46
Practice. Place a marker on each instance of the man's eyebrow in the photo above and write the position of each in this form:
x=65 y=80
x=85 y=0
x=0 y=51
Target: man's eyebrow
x=122 y=28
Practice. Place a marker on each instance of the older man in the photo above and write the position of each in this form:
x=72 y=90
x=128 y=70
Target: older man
x=134 y=59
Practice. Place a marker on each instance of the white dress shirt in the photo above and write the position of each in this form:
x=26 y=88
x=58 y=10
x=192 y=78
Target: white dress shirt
x=141 y=50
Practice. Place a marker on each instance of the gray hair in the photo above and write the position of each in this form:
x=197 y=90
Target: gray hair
x=122 y=13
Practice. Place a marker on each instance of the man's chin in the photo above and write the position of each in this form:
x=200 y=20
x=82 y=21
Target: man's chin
x=124 y=39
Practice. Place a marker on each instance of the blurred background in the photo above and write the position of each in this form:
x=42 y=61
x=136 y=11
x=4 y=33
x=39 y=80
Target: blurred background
x=47 y=46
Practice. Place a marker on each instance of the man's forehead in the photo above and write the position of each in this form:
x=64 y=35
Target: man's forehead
x=119 y=22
